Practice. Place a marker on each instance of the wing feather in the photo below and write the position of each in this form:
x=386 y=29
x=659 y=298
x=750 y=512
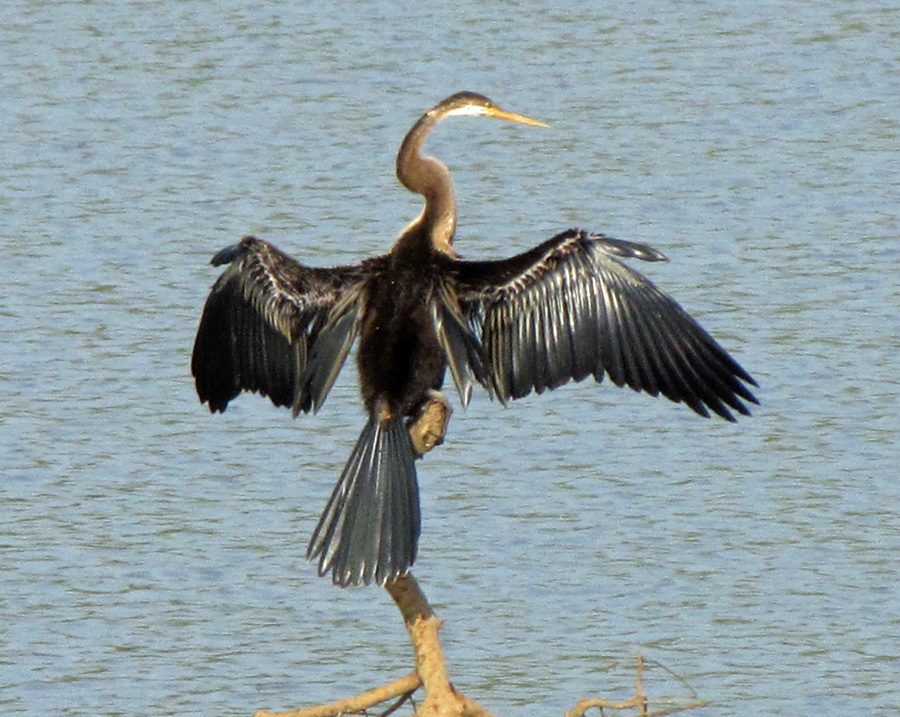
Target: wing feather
x=460 y=345
x=261 y=322
x=570 y=308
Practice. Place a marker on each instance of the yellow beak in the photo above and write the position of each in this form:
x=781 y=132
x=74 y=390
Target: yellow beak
x=513 y=117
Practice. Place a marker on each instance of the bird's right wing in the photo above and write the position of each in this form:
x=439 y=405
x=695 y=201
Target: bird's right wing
x=276 y=327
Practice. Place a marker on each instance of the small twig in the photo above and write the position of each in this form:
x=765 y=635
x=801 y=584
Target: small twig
x=678 y=677
x=404 y=698
x=639 y=701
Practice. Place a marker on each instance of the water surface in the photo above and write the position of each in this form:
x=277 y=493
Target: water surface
x=153 y=554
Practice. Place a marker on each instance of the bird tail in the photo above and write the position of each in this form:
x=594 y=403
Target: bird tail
x=370 y=527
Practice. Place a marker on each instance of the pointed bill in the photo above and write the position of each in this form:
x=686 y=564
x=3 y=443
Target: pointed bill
x=513 y=117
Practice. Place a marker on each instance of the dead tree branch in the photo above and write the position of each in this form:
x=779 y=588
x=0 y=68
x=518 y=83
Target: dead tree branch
x=639 y=701
x=441 y=697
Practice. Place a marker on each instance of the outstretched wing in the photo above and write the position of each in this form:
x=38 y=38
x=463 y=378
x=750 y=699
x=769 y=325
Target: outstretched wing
x=568 y=309
x=276 y=327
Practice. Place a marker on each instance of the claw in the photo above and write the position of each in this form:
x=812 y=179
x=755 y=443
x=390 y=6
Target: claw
x=429 y=427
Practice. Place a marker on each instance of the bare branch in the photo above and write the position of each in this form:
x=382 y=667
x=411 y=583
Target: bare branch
x=441 y=698
x=639 y=701
x=358 y=703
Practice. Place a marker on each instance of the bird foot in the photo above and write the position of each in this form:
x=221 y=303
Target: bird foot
x=429 y=427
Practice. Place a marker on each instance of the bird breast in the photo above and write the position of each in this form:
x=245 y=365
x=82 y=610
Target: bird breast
x=400 y=358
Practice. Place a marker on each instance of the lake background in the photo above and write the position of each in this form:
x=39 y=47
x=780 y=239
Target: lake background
x=153 y=555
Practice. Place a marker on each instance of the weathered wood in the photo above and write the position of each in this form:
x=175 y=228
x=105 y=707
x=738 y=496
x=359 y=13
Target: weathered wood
x=404 y=686
x=441 y=698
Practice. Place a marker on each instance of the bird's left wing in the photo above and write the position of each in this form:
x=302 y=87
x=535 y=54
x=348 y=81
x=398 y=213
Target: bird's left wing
x=276 y=327
x=569 y=308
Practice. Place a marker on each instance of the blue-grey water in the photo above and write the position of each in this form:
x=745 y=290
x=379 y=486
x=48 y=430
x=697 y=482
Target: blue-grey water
x=153 y=555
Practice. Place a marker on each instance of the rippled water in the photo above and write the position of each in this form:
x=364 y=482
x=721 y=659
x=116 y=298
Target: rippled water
x=153 y=555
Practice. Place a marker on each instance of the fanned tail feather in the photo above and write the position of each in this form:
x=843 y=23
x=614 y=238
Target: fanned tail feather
x=369 y=530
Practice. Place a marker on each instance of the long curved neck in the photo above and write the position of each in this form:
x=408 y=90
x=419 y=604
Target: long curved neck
x=430 y=178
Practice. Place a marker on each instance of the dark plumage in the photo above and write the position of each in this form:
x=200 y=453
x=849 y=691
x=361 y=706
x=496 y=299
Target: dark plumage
x=565 y=310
